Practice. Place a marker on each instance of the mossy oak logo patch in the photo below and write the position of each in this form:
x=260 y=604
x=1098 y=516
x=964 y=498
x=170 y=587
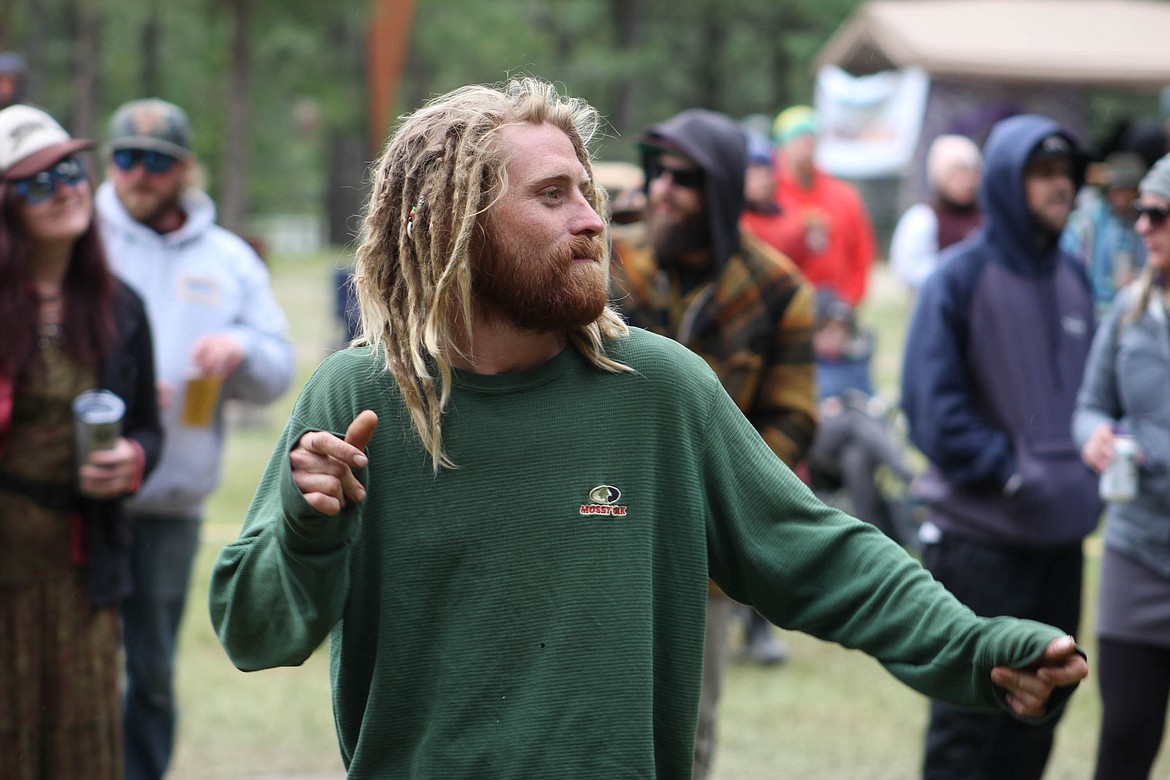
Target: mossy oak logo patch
x=603 y=500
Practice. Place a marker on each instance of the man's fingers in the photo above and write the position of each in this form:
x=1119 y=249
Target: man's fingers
x=358 y=435
x=1026 y=706
x=325 y=444
x=323 y=503
x=1028 y=690
x=322 y=491
x=1025 y=693
x=1061 y=664
x=1058 y=649
x=352 y=487
x=1067 y=672
x=322 y=464
x=361 y=430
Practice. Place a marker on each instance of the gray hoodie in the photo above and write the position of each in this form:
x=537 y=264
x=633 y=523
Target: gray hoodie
x=197 y=280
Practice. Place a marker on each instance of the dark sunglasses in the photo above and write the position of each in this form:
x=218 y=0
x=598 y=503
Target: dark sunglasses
x=688 y=178
x=41 y=186
x=1156 y=214
x=152 y=161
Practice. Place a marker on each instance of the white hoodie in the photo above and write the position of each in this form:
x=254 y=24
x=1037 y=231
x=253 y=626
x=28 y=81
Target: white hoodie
x=197 y=280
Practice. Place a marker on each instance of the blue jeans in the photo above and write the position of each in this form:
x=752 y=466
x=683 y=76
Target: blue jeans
x=164 y=549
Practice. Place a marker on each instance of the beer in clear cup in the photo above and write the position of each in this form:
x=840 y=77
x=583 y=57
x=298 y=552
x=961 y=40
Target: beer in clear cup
x=200 y=400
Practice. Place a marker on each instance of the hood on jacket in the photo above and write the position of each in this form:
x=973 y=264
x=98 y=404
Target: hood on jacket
x=717 y=144
x=1006 y=216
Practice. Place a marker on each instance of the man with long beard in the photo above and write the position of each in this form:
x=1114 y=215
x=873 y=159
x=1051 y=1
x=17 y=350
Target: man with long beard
x=995 y=354
x=736 y=302
x=214 y=319
x=513 y=569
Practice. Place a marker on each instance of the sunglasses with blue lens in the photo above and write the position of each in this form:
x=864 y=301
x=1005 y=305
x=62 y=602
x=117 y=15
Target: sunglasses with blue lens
x=41 y=186
x=152 y=161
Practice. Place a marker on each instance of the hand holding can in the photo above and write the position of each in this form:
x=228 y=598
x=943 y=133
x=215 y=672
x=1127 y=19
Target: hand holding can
x=97 y=422
x=1119 y=480
x=97 y=427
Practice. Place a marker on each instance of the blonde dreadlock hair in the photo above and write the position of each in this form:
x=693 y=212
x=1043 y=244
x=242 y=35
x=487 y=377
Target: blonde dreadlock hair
x=440 y=173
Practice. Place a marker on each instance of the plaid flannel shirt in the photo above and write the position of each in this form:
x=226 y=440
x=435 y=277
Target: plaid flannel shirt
x=753 y=324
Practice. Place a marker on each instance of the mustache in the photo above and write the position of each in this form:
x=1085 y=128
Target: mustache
x=592 y=247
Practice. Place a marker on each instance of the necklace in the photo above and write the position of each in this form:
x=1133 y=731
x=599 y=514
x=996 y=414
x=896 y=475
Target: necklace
x=49 y=321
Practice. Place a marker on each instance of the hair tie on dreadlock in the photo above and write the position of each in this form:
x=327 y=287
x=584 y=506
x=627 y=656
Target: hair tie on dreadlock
x=414 y=210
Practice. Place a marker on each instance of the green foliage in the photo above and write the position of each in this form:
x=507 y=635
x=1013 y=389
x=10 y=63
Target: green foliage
x=739 y=56
x=637 y=61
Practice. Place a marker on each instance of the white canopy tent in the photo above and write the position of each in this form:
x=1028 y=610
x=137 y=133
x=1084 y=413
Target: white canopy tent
x=986 y=59
x=1108 y=43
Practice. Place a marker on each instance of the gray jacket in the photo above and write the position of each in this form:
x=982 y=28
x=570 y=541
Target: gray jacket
x=197 y=280
x=1125 y=383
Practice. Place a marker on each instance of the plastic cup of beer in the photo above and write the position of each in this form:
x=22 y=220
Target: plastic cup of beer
x=97 y=422
x=200 y=400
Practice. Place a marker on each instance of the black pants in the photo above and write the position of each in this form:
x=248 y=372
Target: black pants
x=1135 y=682
x=995 y=580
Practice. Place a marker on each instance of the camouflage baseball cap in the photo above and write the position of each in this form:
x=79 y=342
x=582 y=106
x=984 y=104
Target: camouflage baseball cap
x=151 y=123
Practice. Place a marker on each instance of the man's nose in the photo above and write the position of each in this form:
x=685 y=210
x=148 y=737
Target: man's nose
x=587 y=221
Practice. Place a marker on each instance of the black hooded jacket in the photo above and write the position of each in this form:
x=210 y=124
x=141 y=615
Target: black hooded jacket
x=751 y=317
x=718 y=146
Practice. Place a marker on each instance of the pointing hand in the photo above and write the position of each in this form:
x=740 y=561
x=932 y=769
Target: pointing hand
x=323 y=464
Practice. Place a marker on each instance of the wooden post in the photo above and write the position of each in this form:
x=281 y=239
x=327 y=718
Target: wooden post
x=389 y=36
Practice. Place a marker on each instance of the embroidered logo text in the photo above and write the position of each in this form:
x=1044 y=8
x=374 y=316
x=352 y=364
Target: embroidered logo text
x=603 y=500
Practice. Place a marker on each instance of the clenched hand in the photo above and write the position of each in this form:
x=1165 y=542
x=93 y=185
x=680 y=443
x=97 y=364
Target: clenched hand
x=1028 y=689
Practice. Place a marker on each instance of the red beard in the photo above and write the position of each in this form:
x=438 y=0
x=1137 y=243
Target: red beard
x=540 y=291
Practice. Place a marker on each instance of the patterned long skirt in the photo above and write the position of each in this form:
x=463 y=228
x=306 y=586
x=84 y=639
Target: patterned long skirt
x=59 y=708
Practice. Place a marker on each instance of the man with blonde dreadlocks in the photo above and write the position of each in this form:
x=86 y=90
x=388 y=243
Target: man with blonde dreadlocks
x=513 y=570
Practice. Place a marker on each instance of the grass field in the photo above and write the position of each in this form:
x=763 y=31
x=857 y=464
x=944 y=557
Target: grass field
x=828 y=714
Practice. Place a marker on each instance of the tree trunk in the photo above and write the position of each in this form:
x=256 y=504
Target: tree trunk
x=628 y=18
x=707 y=91
x=85 y=66
x=35 y=45
x=351 y=146
x=233 y=205
x=6 y=25
x=346 y=188
x=150 y=66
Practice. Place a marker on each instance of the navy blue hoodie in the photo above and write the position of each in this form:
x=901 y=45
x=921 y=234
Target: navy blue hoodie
x=993 y=360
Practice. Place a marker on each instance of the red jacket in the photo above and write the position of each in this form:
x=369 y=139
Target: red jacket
x=825 y=230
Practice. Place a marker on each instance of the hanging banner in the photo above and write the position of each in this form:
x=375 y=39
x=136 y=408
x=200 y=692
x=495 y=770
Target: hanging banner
x=869 y=124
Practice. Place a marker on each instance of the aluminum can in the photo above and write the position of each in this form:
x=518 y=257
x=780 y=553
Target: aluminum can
x=1119 y=482
x=97 y=422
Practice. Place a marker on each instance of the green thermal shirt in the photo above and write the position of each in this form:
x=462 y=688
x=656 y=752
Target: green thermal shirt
x=539 y=610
